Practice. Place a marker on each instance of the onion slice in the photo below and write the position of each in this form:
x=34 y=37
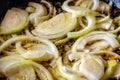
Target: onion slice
x=78 y=11
x=52 y=47
x=14 y=21
x=56 y=27
x=95 y=36
x=15 y=67
x=87 y=29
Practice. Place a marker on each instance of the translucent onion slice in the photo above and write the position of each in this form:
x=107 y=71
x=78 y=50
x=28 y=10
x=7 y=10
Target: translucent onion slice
x=12 y=40
x=90 y=4
x=67 y=73
x=95 y=4
x=51 y=11
x=78 y=11
x=28 y=33
x=95 y=36
x=41 y=71
x=14 y=21
x=100 y=45
x=87 y=29
x=40 y=13
x=76 y=65
x=78 y=55
x=90 y=66
x=107 y=53
x=37 y=10
x=9 y=60
x=106 y=25
x=102 y=19
x=51 y=8
x=52 y=47
x=40 y=52
x=15 y=67
x=56 y=27
x=103 y=7
x=21 y=70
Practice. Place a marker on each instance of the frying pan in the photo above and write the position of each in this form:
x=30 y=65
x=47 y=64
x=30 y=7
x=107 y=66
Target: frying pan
x=7 y=4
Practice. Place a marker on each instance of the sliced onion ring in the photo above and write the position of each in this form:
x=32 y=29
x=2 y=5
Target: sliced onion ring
x=93 y=36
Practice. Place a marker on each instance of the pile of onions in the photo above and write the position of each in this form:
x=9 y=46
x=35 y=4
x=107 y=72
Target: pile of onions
x=78 y=43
